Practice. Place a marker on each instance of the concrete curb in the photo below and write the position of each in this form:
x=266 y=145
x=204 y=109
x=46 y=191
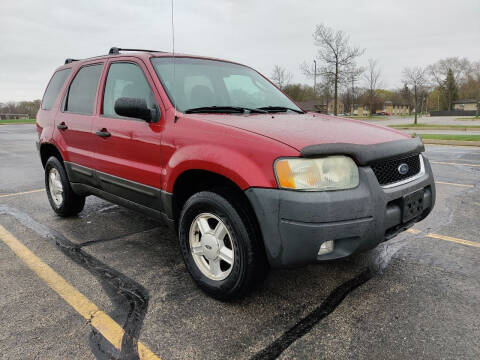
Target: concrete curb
x=451 y=142
x=466 y=128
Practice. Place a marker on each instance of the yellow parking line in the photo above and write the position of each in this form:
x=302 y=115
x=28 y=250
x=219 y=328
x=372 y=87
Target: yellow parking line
x=455 y=240
x=450 y=163
x=414 y=231
x=112 y=331
x=447 y=238
x=454 y=184
x=21 y=193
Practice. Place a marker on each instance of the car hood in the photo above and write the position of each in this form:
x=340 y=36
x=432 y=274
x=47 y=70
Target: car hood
x=301 y=130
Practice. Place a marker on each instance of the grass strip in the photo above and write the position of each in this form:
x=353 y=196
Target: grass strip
x=450 y=137
x=468 y=118
x=17 y=121
x=433 y=126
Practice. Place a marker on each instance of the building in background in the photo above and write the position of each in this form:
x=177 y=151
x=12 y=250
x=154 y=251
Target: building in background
x=340 y=107
x=390 y=108
x=361 y=110
x=313 y=105
x=466 y=105
x=320 y=107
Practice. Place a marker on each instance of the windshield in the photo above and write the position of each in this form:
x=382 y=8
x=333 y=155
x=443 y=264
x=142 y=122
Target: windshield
x=201 y=83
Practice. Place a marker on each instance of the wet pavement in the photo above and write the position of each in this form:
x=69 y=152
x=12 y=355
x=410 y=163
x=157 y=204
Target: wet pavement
x=412 y=297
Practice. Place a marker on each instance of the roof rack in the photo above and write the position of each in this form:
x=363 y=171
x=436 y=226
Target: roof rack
x=113 y=51
x=116 y=50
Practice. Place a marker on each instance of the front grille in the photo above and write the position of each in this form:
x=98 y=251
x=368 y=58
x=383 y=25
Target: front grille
x=387 y=170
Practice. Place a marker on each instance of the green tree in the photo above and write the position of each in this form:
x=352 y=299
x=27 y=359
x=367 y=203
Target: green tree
x=451 y=90
x=406 y=95
x=436 y=100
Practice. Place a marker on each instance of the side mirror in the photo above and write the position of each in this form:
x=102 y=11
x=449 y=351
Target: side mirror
x=136 y=108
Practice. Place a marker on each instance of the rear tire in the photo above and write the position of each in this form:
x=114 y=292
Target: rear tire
x=60 y=194
x=227 y=266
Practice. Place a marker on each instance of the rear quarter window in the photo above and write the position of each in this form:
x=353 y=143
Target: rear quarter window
x=83 y=90
x=53 y=88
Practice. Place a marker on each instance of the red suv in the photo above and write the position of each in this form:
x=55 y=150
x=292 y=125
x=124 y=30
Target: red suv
x=246 y=178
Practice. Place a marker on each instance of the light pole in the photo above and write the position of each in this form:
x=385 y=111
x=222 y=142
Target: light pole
x=315 y=78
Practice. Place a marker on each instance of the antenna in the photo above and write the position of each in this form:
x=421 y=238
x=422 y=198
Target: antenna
x=173 y=53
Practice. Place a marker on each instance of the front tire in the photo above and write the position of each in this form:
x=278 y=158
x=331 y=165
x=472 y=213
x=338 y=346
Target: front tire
x=220 y=244
x=60 y=194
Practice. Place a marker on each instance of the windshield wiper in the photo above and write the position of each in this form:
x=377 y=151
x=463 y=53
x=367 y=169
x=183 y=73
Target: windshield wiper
x=223 y=109
x=280 y=109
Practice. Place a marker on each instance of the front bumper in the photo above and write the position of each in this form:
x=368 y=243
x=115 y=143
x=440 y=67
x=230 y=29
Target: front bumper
x=294 y=223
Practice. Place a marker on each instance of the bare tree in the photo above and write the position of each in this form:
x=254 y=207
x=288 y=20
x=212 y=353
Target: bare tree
x=352 y=76
x=335 y=53
x=311 y=71
x=372 y=78
x=325 y=90
x=281 y=77
x=459 y=67
x=415 y=77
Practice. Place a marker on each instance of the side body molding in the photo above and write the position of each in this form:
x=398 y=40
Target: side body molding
x=146 y=199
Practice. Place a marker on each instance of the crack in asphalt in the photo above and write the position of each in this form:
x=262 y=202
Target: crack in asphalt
x=276 y=348
x=129 y=298
x=333 y=300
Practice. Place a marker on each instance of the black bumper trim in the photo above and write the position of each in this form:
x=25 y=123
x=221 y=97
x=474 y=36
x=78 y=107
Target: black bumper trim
x=327 y=223
x=295 y=223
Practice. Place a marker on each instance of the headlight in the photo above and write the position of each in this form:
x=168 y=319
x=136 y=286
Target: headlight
x=328 y=173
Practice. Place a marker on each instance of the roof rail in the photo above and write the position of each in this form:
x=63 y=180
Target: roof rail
x=116 y=50
x=68 y=61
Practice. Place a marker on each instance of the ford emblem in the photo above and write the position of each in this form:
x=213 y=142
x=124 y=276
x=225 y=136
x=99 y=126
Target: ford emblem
x=403 y=169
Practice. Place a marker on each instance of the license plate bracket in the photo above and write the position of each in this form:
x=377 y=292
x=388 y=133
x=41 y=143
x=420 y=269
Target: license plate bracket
x=412 y=205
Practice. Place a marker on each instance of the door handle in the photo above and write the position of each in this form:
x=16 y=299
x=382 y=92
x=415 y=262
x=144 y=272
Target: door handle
x=103 y=133
x=62 y=126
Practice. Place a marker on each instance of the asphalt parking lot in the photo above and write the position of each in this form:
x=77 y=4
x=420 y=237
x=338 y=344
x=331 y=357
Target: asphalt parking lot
x=96 y=285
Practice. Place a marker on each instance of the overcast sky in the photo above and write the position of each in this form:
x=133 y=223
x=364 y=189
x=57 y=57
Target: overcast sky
x=37 y=36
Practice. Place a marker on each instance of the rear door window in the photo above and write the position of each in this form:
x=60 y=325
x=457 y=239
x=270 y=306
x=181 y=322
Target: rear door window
x=83 y=89
x=125 y=80
x=53 y=88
